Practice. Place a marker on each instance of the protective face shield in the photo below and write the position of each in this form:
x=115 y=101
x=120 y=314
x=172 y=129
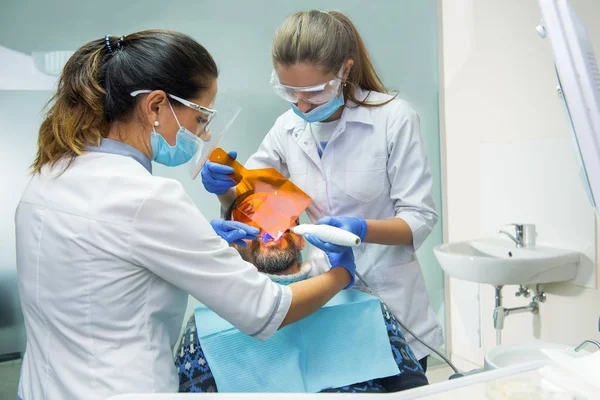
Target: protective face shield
x=228 y=112
x=239 y=216
x=272 y=213
x=265 y=197
x=194 y=147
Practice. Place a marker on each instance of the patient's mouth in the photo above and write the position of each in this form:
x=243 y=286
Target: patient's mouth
x=268 y=239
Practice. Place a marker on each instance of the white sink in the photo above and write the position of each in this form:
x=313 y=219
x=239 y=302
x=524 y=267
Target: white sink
x=509 y=355
x=498 y=261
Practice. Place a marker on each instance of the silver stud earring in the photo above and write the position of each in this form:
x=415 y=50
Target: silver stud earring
x=156 y=123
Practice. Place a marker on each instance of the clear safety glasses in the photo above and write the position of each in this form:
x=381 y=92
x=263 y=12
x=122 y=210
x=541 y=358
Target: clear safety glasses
x=207 y=138
x=317 y=94
x=203 y=122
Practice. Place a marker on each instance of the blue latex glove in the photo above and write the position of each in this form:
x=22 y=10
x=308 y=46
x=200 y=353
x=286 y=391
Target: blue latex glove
x=234 y=232
x=214 y=176
x=345 y=259
x=358 y=226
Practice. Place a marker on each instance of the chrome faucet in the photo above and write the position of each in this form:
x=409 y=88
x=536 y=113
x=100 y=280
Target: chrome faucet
x=582 y=344
x=524 y=235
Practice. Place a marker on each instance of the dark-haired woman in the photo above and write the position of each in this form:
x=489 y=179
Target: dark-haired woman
x=107 y=253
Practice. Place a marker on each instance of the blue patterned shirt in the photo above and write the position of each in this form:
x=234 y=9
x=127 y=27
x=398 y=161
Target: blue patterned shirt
x=195 y=375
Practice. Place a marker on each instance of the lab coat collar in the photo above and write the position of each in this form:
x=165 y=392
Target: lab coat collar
x=356 y=113
x=115 y=147
x=352 y=113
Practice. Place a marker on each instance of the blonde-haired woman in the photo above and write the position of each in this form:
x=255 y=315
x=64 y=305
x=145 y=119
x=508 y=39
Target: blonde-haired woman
x=357 y=151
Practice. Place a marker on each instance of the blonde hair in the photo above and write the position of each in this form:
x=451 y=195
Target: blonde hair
x=327 y=39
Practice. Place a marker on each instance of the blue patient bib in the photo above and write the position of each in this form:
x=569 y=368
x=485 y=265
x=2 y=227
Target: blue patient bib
x=344 y=342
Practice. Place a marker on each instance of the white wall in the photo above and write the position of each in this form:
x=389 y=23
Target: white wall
x=508 y=159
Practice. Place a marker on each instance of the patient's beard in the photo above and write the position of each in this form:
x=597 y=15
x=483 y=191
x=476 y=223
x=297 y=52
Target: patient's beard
x=274 y=260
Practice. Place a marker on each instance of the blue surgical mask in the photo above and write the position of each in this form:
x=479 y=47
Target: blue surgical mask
x=186 y=146
x=322 y=112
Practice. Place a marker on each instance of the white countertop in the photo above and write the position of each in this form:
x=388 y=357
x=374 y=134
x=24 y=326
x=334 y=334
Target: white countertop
x=540 y=380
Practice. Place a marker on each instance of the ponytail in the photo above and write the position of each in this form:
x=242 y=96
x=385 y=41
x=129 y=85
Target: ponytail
x=76 y=115
x=362 y=73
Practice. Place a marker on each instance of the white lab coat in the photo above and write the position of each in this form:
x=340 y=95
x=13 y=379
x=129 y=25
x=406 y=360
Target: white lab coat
x=373 y=167
x=106 y=257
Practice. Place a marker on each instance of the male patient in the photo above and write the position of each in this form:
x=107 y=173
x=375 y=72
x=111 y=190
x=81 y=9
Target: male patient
x=279 y=260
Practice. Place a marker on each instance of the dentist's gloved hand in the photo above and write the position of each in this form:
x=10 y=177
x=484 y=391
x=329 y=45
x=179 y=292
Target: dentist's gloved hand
x=345 y=259
x=214 y=176
x=358 y=226
x=234 y=232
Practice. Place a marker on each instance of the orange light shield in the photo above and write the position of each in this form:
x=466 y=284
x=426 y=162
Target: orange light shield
x=265 y=196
